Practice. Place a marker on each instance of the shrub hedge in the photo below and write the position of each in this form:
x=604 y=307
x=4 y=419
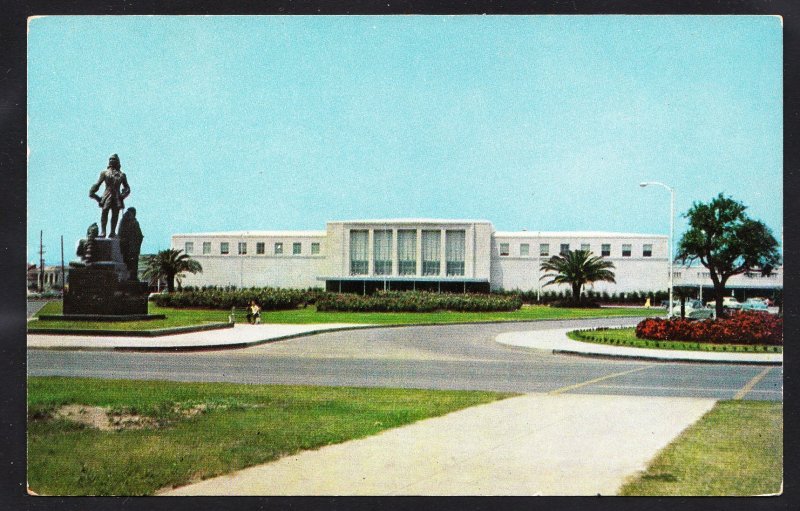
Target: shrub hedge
x=418 y=301
x=226 y=298
x=550 y=296
x=745 y=327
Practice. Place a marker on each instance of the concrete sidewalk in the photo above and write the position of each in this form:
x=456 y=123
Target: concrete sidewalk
x=556 y=341
x=535 y=444
x=239 y=336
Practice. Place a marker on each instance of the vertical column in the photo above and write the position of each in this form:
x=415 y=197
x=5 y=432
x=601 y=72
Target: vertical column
x=395 y=258
x=419 y=252
x=371 y=252
x=442 y=254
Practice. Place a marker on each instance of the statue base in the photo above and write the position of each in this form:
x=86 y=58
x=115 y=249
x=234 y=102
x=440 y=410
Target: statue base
x=99 y=317
x=102 y=288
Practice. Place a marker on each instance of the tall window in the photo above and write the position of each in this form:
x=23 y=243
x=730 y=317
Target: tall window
x=585 y=247
x=431 y=252
x=454 y=251
x=297 y=248
x=314 y=248
x=278 y=248
x=626 y=250
x=605 y=249
x=223 y=247
x=359 y=263
x=524 y=249
x=382 y=241
x=188 y=247
x=564 y=249
x=260 y=247
x=544 y=249
x=206 y=247
x=504 y=249
x=407 y=251
x=647 y=251
x=242 y=248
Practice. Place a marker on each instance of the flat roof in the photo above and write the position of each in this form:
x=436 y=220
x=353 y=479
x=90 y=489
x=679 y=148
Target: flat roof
x=410 y=221
x=234 y=234
x=575 y=234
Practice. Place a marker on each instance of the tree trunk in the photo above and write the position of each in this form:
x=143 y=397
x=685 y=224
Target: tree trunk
x=576 y=293
x=719 y=294
x=170 y=283
x=683 y=306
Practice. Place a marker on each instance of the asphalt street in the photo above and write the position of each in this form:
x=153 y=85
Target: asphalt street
x=433 y=357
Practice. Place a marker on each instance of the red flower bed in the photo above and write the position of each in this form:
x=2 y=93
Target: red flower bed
x=740 y=328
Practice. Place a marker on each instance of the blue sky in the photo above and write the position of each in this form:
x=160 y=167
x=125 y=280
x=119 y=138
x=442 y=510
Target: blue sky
x=536 y=122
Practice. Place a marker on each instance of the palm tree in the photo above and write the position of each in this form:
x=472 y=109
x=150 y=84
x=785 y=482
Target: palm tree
x=577 y=268
x=168 y=264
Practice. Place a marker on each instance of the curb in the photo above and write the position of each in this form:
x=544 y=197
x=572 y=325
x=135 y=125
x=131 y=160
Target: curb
x=665 y=360
x=132 y=333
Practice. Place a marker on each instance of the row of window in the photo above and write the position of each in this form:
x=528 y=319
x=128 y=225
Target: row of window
x=605 y=249
x=224 y=248
x=384 y=250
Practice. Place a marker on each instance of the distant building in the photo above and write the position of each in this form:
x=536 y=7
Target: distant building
x=446 y=255
x=52 y=279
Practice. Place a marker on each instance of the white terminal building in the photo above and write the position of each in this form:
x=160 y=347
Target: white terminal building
x=427 y=254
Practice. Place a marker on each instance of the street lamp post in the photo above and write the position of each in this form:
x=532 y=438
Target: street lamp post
x=671 y=234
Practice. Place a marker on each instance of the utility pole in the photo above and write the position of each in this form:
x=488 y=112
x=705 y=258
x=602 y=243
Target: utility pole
x=41 y=263
x=63 y=275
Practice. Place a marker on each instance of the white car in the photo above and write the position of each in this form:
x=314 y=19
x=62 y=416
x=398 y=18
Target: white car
x=728 y=302
x=694 y=309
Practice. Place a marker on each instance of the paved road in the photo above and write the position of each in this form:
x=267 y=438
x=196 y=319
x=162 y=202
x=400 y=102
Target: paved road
x=439 y=357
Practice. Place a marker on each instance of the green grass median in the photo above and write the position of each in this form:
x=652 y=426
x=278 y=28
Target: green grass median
x=310 y=315
x=149 y=435
x=736 y=449
x=627 y=337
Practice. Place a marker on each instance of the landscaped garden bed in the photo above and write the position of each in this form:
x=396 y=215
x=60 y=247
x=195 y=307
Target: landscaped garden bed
x=749 y=328
x=748 y=332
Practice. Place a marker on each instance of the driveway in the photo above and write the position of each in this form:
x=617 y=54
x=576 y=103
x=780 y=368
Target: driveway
x=435 y=357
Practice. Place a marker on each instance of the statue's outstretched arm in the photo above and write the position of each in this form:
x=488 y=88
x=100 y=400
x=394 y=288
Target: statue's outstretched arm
x=95 y=187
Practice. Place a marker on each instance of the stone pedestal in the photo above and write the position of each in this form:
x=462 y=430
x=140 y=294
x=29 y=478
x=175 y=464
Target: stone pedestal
x=102 y=287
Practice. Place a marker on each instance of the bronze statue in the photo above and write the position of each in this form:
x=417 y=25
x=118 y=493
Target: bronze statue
x=86 y=247
x=130 y=242
x=116 y=191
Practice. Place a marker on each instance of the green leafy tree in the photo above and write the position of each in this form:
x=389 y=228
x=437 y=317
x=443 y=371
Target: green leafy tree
x=169 y=264
x=727 y=242
x=577 y=268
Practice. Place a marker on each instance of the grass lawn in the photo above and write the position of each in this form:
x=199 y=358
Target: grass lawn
x=735 y=449
x=309 y=315
x=627 y=337
x=193 y=431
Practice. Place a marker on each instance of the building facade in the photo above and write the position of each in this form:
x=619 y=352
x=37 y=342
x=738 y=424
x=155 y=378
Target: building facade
x=426 y=254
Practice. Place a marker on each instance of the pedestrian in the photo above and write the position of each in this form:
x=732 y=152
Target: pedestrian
x=253 y=313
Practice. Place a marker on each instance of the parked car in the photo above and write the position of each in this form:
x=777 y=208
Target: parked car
x=754 y=304
x=728 y=302
x=694 y=309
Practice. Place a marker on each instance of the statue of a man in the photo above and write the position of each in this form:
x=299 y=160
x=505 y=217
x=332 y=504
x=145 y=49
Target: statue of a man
x=116 y=191
x=130 y=241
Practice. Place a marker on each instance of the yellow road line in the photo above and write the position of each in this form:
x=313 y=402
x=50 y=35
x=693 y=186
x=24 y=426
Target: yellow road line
x=589 y=382
x=752 y=383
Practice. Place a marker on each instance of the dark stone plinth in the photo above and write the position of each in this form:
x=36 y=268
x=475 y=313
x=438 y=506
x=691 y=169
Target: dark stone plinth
x=99 y=317
x=97 y=290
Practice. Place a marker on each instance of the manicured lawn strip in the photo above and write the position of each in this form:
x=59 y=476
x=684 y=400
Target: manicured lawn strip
x=244 y=425
x=175 y=318
x=627 y=337
x=735 y=449
x=309 y=315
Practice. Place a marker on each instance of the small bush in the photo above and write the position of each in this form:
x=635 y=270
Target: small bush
x=584 y=304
